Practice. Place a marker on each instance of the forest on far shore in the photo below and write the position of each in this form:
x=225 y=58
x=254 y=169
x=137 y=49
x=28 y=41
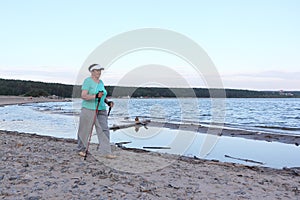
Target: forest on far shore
x=36 y=89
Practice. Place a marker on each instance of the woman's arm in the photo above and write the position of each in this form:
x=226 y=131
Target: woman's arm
x=86 y=96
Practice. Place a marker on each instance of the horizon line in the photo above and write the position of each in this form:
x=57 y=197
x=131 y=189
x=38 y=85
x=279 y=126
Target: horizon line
x=175 y=87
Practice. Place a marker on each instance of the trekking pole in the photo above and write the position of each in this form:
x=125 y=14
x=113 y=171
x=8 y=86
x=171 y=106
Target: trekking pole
x=90 y=136
x=109 y=110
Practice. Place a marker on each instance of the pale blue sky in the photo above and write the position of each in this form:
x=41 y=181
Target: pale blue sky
x=254 y=44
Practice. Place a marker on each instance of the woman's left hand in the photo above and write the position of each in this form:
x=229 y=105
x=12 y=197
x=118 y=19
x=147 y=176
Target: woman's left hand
x=111 y=104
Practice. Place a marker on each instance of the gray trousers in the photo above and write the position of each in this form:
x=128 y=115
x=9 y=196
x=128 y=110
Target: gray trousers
x=86 y=124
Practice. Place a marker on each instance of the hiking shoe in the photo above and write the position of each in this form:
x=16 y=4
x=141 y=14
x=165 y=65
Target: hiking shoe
x=81 y=153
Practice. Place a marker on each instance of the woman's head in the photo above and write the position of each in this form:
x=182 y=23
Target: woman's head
x=95 y=70
x=95 y=67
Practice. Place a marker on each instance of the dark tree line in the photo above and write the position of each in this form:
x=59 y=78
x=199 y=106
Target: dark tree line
x=195 y=92
x=31 y=88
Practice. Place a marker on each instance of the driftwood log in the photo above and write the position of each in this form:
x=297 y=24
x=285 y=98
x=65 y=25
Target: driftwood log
x=136 y=123
x=246 y=160
x=156 y=147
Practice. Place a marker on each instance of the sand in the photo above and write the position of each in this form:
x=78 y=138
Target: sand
x=11 y=100
x=43 y=167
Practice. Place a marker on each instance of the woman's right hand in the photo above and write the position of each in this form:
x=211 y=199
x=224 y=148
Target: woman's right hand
x=99 y=94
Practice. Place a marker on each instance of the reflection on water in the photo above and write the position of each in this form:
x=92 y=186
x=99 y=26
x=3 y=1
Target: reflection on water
x=272 y=154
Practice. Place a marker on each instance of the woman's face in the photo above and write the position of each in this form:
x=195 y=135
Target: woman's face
x=96 y=73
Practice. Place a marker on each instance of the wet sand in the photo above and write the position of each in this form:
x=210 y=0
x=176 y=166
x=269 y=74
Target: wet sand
x=253 y=135
x=11 y=100
x=43 y=167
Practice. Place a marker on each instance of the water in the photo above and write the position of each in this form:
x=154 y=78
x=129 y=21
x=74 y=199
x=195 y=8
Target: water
x=39 y=119
x=262 y=153
x=277 y=116
x=268 y=115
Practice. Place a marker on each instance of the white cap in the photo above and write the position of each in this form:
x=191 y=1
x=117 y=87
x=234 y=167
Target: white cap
x=95 y=66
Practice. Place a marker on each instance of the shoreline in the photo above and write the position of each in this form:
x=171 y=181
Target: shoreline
x=253 y=135
x=16 y=100
x=44 y=167
x=246 y=134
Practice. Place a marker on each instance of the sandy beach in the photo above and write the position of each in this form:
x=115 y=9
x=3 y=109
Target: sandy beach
x=11 y=100
x=44 y=167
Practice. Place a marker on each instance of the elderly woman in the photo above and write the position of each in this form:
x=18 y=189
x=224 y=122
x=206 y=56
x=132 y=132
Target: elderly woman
x=94 y=94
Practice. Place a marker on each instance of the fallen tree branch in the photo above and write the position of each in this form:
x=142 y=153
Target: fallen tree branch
x=246 y=160
x=120 y=144
x=142 y=123
x=156 y=147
